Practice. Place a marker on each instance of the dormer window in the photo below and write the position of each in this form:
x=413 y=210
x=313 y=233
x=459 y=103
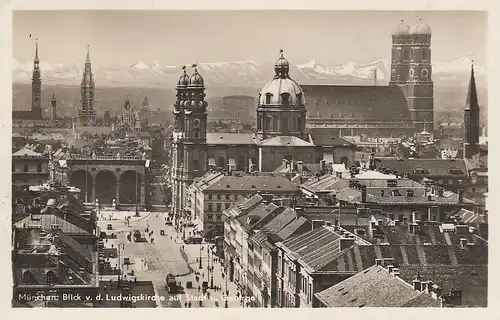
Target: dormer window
x=455 y=171
x=285 y=98
x=268 y=98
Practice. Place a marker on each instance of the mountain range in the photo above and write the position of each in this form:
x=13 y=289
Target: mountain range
x=246 y=73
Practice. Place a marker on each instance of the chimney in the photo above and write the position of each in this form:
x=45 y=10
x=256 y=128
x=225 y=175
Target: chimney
x=417 y=284
x=322 y=165
x=463 y=243
x=299 y=211
x=375 y=77
x=390 y=268
x=317 y=224
x=371 y=228
x=346 y=243
x=395 y=272
x=413 y=227
x=340 y=175
x=363 y=194
x=300 y=166
x=436 y=291
x=378 y=262
x=440 y=192
x=414 y=216
x=460 y=196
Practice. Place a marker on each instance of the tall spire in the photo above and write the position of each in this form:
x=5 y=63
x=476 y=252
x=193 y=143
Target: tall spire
x=472 y=92
x=36 y=60
x=88 y=54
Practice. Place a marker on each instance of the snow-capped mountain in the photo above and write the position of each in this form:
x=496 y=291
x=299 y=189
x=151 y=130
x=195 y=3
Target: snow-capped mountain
x=245 y=73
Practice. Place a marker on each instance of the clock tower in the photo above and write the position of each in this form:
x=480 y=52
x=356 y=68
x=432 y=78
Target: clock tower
x=420 y=88
x=36 y=87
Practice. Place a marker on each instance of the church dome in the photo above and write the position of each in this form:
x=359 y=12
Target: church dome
x=184 y=79
x=196 y=79
x=282 y=90
x=402 y=29
x=420 y=29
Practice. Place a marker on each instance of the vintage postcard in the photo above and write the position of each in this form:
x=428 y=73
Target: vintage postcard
x=169 y=158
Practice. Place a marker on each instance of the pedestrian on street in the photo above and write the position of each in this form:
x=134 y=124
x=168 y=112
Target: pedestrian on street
x=185 y=304
x=208 y=295
x=189 y=304
x=199 y=288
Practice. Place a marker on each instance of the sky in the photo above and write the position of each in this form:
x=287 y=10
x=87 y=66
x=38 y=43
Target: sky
x=120 y=38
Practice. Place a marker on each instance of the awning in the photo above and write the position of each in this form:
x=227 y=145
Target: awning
x=211 y=162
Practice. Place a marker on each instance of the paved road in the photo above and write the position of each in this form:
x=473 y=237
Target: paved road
x=149 y=261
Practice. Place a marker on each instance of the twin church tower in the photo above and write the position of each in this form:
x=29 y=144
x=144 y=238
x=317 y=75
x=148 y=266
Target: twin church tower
x=411 y=70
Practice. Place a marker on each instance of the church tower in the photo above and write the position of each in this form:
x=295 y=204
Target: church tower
x=53 y=103
x=36 y=87
x=420 y=88
x=471 y=119
x=281 y=109
x=189 y=138
x=87 y=112
x=400 y=55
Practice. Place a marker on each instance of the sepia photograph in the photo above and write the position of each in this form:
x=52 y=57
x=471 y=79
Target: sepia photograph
x=249 y=159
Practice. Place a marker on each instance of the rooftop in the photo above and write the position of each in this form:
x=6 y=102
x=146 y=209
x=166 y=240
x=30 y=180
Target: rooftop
x=425 y=167
x=284 y=141
x=231 y=138
x=374 y=287
x=264 y=183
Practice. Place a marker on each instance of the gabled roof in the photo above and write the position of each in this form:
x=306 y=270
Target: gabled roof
x=351 y=101
x=25 y=152
x=374 y=287
x=258 y=215
x=231 y=138
x=434 y=167
x=285 y=141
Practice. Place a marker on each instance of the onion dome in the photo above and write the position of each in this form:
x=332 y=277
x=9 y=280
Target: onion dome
x=196 y=79
x=282 y=90
x=184 y=79
x=402 y=29
x=420 y=29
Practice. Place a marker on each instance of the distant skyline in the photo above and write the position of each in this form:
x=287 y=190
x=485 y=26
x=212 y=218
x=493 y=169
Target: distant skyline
x=121 y=38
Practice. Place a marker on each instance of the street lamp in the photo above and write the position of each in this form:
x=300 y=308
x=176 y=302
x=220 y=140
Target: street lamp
x=119 y=257
x=200 y=266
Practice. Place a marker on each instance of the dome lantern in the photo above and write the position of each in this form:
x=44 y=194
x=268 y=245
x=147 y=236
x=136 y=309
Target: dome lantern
x=282 y=67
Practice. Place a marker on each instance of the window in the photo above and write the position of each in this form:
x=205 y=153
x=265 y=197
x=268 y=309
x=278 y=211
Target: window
x=218 y=218
x=310 y=292
x=228 y=197
x=268 y=98
x=269 y=123
x=39 y=167
x=455 y=171
x=219 y=197
x=196 y=133
x=210 y=197
x=196 y=164
x=26 y=167
x=227 y=205
x=210 y=217
x=210 y=207
x=219 y=206
x=285 y=97
x=420 y=171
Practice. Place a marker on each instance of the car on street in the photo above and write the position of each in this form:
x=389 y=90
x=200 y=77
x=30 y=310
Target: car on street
x=109 y=226
x=126 y=261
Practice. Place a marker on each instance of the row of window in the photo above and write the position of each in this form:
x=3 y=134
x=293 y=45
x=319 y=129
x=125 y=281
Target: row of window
x=226 y=196
x=218 y=207
x=273 y=123
x=306 y=288
x=413 y=54
x=26 y=167
x=210 y=217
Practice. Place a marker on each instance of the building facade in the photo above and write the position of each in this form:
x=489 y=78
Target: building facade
x=29 y=168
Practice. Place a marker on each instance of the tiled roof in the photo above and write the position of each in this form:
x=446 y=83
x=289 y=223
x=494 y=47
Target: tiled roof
x=283 y=141
x=25 y=152
x=374 y=287
x=231 y=138
x=471 y=279
x=315 y=249
x=208 y=179
x=366 y=102
x=450 y=143
x=328 y=138
x=253 y=183
x=258 y=216
x=274 y=226
x=435 y=167
x=292 y=227
x=468 y=217
x=68 y=223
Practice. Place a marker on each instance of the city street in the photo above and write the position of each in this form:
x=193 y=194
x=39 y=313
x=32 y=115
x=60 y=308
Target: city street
x=153 y=261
